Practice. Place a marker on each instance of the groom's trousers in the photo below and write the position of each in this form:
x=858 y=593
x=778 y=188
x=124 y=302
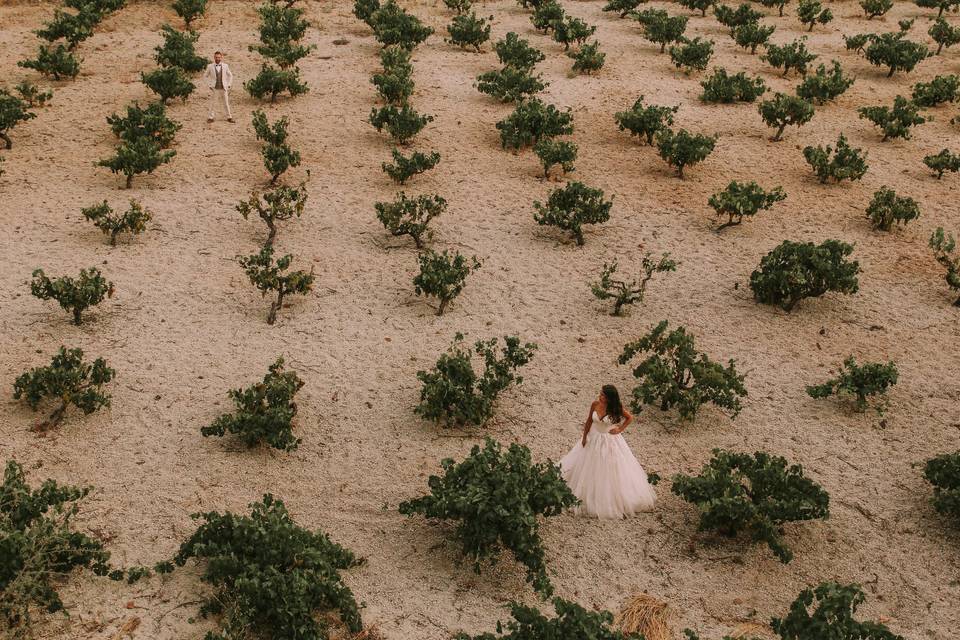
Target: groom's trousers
x=220 y=98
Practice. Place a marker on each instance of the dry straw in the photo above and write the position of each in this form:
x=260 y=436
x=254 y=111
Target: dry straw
x=645 y=615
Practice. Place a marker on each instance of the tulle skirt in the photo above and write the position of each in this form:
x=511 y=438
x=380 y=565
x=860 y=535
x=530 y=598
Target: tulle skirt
x=607 y=478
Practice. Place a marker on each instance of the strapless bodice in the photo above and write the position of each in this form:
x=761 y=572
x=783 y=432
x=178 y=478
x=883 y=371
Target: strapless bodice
x=602 y=425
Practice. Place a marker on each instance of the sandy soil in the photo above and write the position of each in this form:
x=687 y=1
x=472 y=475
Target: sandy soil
x=185 y=325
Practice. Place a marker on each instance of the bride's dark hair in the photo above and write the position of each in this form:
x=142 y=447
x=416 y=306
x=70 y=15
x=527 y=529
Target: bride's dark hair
x=614 y=408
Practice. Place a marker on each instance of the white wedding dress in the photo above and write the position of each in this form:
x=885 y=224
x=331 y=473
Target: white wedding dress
x=605 y=475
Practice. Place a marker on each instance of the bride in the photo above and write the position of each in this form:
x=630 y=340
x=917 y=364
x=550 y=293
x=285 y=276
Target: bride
x=601 y=470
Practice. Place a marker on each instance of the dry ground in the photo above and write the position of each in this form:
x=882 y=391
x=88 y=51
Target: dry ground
x=185 y=326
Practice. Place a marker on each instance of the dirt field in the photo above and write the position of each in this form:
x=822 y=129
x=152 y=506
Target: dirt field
x=185 y=325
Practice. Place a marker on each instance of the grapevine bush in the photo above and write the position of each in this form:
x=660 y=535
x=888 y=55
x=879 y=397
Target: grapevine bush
x=675 y=374
x=843 y=163
x=887 y=208
x=572 y=622
x=798 y=270
x=691 y=55
x=823 y=85
x=467 y=30
x=264 y=411
x=895 y=121
x=133 y=157
x=625 y=293
x=725 y=88
x=739 y=494
x=751 y=35
x=269 y=276
x=894 y=51
x=32 y=94
x=150 y=123
x=732 y=18
x=661 y=28
x=743 y=199
x=812 y=12
x=510 y=84
x=276 y=205
x=278 y=156
x=410 y=216
x=682 y=149
x=13 y=110
x=784 y=110
x=402 y=124
x=571 y=31
x=942 y=162
x=645 y=121
x=571 y=207
x=943 y=472
x=588 y=58
x=495 y=498
x=789 y=57
x=168 y=83
x=270 y=576
x=832 y=617
x=531 y=122
x=190 y=10
x=443 y=275
x=133 y=221
x=454 y=394
x=57 y=63
x=178 y=50
x=75 y=295
x=514 y=51
x=936 y=92
x=943 y=34
x=271 y=82
x=392 y=25
x=945 y=251
x=875 y=8
x=862 y=381
x=403 y=167
x=554 y=152
x=67 y=381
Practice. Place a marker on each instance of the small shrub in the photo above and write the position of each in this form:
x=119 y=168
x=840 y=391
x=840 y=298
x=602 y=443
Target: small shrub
x=467 y=30
x=13 y=111
x=682 y=149
x=74 y=295
x=264 y=412
x=571 y=207
x=178 y=50
x=940 y=5
x=555 y=152
x=857 y=42
x=793 y=56
x=134 y=157
x=943 y=472
x=57 y=63
x=645 y=121
x=875 y=8
x=588 y=58
x=622 y=7
x=743 y=199
x=68 y=381
x=893 y=50
x=395 y=83
x=410 y=216
x=32 y=94
x=190 y=10
x=510 y=84
x=278 y=156
x=168 y=83
x=495 y=498
x=364 y=10
x=546 y=15
x=41 y=549
x=945 y=251
x=134 y=220
x=811 y=12
x=888 y=208
x=895 y=122
x=270 y=576
x=739 y=494
x=625 y=293
x=943 y=34
x=732 y=18
x=675 y=374
x=150 y=123
x=514 y=51
x=833 y=616
x=942 y=162
x=779 y=4
x=824 y=85
x=936 y=92
x=404 y=168
x=861 y=381
x=697 y=5
x=267 y=275
x=402 y=124
x=392 y=25
x=691 y=55
x=454 y=394
x=285 y=53
x=572 y=31
x=797 y=270
x=724 y=88
x=751 y=35
x=271 y=82
x=663 y=29
x=785 y=110
x=459 y=6
x=281 y=24
x=844 y=163
x=73 y=28
x=443 y=275
x=573 y=622
x=278 y=204
x=532 y=121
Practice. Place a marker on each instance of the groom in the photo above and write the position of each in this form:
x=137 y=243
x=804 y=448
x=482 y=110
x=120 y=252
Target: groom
x=219 y=78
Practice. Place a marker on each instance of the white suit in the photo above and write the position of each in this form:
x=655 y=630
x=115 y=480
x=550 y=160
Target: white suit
x=219 y=96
